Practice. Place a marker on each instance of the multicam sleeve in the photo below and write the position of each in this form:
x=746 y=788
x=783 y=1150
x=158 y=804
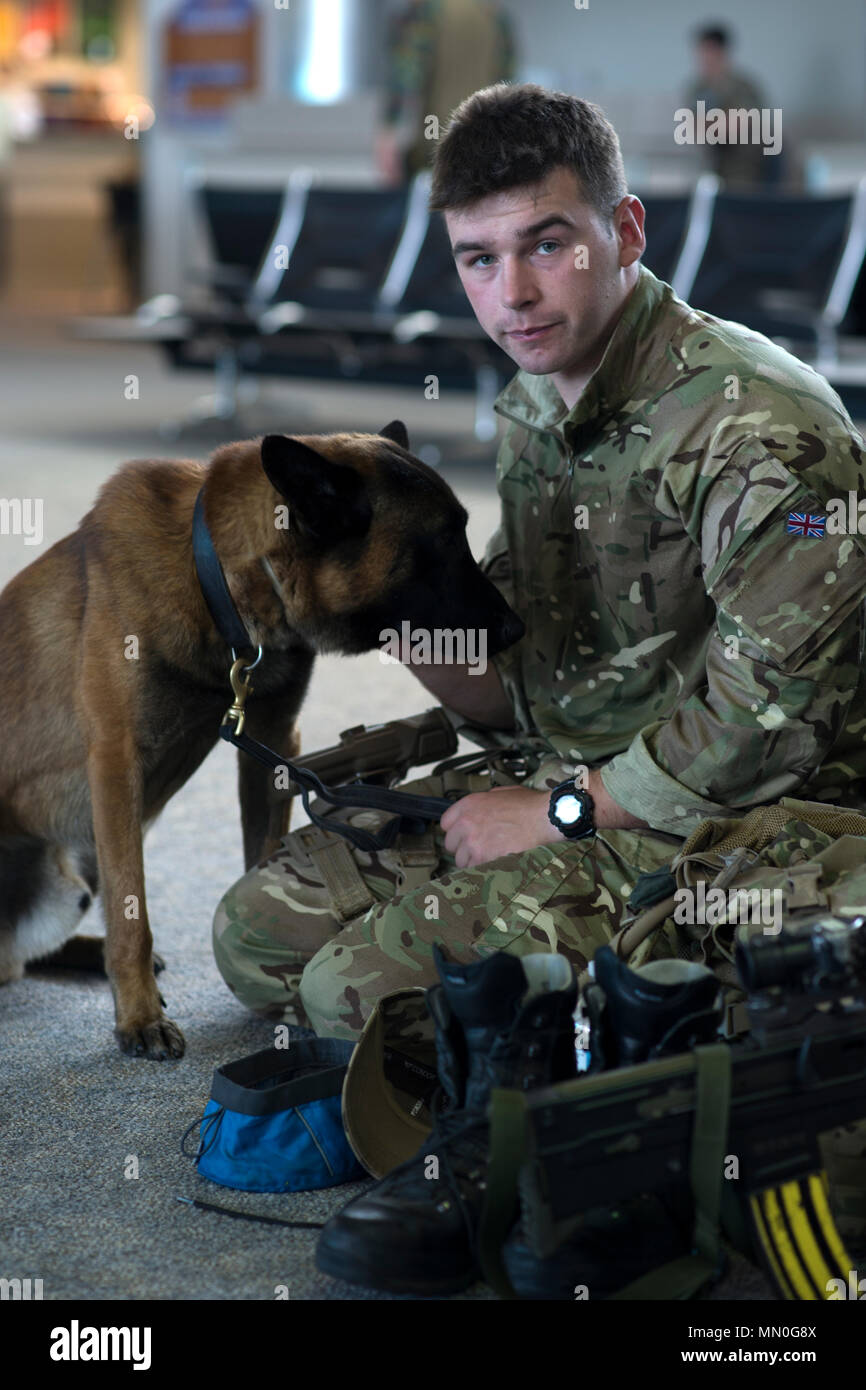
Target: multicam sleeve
x=782 y=664
x=496 y=564
x=408 y=54
x=552 y=772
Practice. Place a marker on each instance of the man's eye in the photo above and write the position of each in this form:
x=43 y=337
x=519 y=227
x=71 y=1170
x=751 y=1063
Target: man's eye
x=476 y=260
x=553 y=245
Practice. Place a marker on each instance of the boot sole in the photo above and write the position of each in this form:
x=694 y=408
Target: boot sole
x=354 y=1269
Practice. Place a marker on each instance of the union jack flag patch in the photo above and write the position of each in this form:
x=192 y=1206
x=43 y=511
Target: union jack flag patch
x=804 y=524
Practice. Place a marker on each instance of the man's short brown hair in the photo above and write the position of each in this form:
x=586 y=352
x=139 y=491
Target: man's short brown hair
x=510 y=135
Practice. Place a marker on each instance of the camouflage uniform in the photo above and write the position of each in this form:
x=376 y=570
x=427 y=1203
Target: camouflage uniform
x=286 y=953
x=677 y=636
x=739 y=165
x=438 y=53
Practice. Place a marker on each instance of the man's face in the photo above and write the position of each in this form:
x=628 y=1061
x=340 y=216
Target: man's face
x=712 y=60
x=546 y=277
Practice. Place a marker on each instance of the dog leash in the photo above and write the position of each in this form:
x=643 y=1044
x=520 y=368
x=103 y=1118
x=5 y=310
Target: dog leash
x=249 y=1215
x=411 y=812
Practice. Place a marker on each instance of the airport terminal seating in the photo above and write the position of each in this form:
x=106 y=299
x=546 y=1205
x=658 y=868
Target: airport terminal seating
x=329 y=282
x=787 y=266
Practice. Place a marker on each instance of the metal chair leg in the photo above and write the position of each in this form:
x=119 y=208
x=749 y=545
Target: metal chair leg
x=223 y=404
x=486 y=386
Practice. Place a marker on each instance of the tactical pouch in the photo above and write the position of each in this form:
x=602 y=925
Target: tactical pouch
x=764 y=852
x=414 y=857
x=273 y=1123
x=759 y=852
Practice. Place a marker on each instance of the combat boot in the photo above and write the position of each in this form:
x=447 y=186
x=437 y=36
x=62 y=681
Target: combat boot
x=661 y=1008
x=504 y=1022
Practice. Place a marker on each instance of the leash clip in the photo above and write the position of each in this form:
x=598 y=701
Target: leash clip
x=240 y=682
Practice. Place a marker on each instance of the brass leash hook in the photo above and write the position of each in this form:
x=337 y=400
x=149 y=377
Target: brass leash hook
x=240 y=683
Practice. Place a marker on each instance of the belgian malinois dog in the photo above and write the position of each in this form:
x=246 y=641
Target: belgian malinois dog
x=114 y=678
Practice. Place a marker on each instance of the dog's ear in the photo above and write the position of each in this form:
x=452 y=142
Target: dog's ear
x=328 y=501
x=396 y=432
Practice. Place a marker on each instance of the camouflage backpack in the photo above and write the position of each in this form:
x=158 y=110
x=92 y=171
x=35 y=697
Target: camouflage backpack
x=778 y=866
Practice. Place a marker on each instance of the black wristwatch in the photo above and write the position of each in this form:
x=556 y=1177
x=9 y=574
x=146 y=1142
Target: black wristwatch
x=571 y=811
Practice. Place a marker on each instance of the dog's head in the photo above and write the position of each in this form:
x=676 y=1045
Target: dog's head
x=367 y=538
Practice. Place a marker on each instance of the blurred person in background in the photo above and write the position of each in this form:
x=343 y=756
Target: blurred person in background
x=20 y=119
x=21 y=116
x=438 y=52
x=721 y=86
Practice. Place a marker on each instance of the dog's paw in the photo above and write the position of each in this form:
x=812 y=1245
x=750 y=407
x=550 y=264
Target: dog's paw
x=157 y=1040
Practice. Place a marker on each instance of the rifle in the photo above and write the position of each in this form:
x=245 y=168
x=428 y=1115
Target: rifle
x=749 y=1111
x=408 y=740
x=381 y=753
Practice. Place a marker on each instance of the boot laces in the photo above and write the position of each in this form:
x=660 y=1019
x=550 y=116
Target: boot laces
x=470 y=1125
x=463 y=1174
x=448 y=1130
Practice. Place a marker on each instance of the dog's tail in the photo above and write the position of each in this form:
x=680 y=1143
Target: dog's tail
x=45 y=890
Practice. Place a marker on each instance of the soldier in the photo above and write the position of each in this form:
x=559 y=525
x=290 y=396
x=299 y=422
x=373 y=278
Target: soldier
x=722 y=88
x=438 y=51
x=694 y=629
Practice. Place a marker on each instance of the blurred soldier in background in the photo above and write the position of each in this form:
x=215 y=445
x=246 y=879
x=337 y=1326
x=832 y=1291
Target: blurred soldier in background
x=719 y=86
x=438 y=52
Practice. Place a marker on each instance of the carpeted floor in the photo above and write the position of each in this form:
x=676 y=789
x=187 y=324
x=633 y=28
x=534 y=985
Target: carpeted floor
x=77 y=1119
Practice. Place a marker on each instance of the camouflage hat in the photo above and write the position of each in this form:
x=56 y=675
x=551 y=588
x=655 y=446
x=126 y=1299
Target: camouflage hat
x=390 y=1082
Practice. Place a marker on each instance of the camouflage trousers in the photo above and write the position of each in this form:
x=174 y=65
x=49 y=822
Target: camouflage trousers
x=294 y=949
x=318 y=932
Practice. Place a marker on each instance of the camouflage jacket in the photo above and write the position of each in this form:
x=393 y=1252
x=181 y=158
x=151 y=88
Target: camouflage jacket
x=680 y=633
x=735 y=163
x=411 y=49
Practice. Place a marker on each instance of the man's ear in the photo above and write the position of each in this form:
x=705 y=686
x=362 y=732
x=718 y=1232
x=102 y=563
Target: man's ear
x=396 y=432
x=328 y=501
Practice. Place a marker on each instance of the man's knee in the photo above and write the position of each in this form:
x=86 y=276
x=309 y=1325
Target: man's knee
x=390 y=947
x=265 y=929
x=340 y=985
x=332 y=1006
x=229 y=918
x=241 y=949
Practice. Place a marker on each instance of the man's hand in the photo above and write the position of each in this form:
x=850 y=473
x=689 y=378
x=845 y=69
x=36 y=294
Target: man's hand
x=480 y=829
x=504 y=820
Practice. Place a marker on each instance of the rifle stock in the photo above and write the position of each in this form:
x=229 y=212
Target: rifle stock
x=381 y=753
x=597 y=1140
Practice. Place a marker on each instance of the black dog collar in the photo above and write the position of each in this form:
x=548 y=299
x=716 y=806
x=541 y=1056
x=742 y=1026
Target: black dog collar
x=213 y=583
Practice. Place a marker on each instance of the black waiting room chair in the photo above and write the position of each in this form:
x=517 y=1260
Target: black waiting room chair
x=784 y=264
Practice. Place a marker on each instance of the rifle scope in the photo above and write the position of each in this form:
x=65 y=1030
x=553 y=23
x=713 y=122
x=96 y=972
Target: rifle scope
x=828 y=949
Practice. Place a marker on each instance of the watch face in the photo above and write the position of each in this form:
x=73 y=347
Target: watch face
x=571 y=812
x=568 y=809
